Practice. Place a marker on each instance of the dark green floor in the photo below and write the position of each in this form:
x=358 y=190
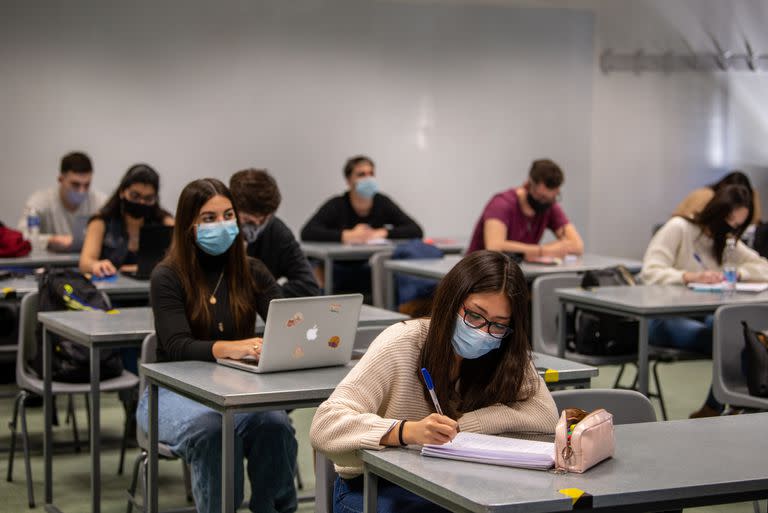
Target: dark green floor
x=685 y=385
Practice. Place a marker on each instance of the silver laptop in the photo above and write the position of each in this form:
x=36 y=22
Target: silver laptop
x=306 y=332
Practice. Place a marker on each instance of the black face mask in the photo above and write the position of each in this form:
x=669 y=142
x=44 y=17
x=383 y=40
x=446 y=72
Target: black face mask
x=137 y=210
x=538 y=206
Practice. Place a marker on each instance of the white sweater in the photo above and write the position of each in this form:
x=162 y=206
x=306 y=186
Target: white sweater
x=670 y=255
x=384 y=388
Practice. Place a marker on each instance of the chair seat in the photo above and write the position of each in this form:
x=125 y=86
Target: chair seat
x=124 y=381
x=738 y=396
x=162 y=450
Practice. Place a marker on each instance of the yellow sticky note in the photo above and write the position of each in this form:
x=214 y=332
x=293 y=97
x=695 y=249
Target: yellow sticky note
x=574 y=493
x=551 y=376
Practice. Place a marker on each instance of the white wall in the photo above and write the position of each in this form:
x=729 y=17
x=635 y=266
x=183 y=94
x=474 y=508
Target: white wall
x=451 y=101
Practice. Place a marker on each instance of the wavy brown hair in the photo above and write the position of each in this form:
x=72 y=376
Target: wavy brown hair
x=182 y=258
x=503 y=374
x=714 y=214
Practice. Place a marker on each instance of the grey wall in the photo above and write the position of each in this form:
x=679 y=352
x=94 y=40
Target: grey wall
x=453 y=102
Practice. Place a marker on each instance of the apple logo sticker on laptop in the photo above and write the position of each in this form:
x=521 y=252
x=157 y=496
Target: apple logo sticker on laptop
x=334 y=342
x=312 y=333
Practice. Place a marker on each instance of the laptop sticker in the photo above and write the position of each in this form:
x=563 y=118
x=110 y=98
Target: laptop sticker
x=295 y=320
x=312 y=333
x=298 y=352
x=334 y=342
x=335 y=307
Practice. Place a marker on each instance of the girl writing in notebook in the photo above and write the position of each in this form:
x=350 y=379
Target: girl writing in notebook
x=475 y=345
x=687 y=250
x=205 y=296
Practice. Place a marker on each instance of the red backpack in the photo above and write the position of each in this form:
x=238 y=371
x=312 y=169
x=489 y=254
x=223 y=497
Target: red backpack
x=12 y=243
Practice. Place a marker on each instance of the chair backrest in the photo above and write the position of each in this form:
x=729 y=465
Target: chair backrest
x=325 y=475
x=627 y=406
x=545 y=310
x=379 y=282
x=148 y=355
x=729 y=384
x=27 y=338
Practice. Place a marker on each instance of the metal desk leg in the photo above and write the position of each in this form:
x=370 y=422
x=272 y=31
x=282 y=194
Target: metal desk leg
x=370 y=490
x=642 y=356
x=48 y=415
x=228 y=462
x=151 y=499
x=328 y=275
x=562 y=329
x=389 y=277
x=95 y=430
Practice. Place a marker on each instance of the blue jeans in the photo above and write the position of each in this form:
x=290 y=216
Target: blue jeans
x=193 y=432
x=687 y=334
x=348 y=498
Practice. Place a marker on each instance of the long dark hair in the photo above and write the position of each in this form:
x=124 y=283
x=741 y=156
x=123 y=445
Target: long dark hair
x=713 y=216
x=139 y=173
x=732 y=178
x=182 y=257
x=503 y=374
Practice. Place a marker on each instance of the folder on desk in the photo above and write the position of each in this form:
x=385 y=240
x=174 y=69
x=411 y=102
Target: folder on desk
x=721 y=287
x=495 y=450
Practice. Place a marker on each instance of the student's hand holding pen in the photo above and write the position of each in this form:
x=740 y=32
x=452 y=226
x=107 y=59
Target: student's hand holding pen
x=432 y=429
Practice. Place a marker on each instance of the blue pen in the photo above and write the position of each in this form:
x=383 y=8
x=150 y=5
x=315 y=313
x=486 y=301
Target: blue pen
x=431 y=389
x=698 y=259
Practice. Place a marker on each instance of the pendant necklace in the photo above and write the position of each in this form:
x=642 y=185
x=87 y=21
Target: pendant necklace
x=212 y=299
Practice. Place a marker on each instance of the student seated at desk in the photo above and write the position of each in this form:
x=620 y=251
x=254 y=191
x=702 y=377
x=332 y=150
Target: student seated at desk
x=112 y=238
x=205 y=296
x=476 y=348
x=267 y=237
x=514 y=221
x=689 y=250
x=64 y=210
x=360 y=215
x=697 y=199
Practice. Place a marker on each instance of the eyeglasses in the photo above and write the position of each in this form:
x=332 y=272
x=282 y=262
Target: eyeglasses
x=477 y=321
x=149 y=199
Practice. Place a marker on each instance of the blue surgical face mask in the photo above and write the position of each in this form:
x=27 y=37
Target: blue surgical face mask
x=251 y=232
x=367 y=187
x=216 y=238
x=472 y=343
x=75 y=197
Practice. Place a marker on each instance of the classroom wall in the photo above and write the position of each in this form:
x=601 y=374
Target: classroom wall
x=452 y=101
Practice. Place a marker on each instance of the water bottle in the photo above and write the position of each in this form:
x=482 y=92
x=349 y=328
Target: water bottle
x=730 y=274
x=33 y=228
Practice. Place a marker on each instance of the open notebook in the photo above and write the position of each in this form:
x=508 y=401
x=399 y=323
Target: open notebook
x=495 y=450
x=721 y=287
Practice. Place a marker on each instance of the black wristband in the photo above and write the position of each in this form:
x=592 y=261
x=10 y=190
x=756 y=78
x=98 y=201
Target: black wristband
x=400 y=432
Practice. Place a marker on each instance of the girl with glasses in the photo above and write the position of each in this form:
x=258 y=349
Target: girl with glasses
x=476 y=347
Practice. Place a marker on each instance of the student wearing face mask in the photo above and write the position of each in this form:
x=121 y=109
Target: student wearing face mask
x=257 y=197
x=689 y=250
x=205 y=296
x=64 y=210
x=477 y=350
x=514 y=221
x=112 y=238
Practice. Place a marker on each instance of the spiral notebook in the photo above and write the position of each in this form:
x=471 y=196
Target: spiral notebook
x=495 y=450
x=754 y=287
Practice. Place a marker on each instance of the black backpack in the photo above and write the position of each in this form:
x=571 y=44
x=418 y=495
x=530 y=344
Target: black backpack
x=600 y=334
x=756 y=352
x=62 y=289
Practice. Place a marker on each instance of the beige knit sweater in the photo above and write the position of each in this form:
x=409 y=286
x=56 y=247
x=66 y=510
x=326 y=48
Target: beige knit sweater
x=670 y=255
x=383 y=388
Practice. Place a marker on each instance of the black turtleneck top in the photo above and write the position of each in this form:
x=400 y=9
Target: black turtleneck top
x=175 y=339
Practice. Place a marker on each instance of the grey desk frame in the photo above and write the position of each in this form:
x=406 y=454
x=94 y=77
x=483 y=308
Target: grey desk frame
x=329 y=252
x=230 y=391
x=42 y=259
x=657 y=466
x=645 y=302
x=96 y=331
x=436 y=268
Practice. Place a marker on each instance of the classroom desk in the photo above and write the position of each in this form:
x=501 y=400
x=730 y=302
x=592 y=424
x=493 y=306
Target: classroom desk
x=129 y=327
x=436 y=268
x=230 y=391
x=123 y=287
x=559 y=372
x=645 y=302
x=42 y=259
x=657 y=466
x=330 y=252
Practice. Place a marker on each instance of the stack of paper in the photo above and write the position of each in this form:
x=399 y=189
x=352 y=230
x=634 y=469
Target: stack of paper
x=721 y=287
x=495 y=450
